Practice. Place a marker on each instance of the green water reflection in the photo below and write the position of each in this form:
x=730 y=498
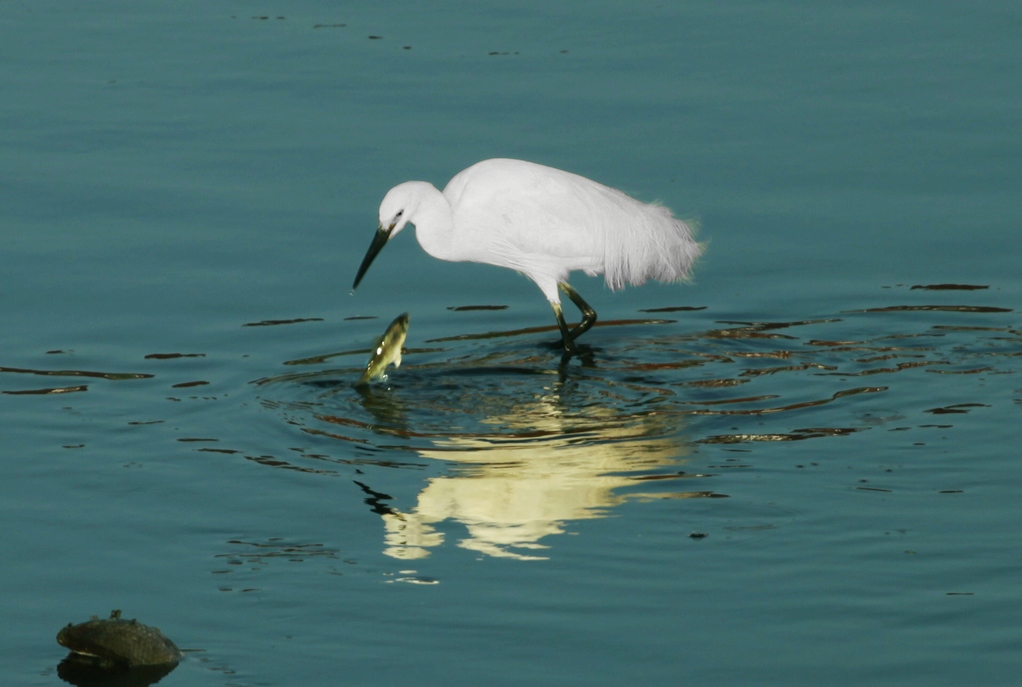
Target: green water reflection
x=531 y=444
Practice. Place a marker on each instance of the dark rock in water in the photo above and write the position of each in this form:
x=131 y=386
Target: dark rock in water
x=118 y=643
x=88 y=671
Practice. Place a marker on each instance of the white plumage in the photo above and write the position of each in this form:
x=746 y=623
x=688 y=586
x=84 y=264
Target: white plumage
x=543 y=222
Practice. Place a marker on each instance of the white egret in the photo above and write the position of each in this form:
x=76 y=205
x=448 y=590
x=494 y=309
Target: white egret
x=544 y=223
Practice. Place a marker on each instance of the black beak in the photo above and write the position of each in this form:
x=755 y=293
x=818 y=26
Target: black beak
x=379 y=241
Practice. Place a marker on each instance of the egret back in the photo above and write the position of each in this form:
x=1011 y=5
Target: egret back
x=547 y=222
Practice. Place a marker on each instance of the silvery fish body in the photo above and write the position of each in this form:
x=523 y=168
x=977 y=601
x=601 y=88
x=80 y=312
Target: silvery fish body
x=118 y=641
x=386 y=351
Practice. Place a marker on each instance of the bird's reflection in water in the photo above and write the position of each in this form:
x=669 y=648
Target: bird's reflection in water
x=533 y=466
x=528 y=446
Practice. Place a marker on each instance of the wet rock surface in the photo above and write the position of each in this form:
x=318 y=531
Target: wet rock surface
x=117 y=642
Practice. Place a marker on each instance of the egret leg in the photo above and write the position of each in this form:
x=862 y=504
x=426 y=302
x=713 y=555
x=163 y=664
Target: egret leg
x=566 y=338
x=588 y=314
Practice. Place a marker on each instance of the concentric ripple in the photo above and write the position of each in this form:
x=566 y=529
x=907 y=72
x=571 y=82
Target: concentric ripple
x=528 y=441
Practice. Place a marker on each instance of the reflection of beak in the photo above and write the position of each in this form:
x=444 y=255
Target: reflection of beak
x=379 y=241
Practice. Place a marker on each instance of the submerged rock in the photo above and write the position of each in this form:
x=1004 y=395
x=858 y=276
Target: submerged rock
x=116 y=642
x=85 y=671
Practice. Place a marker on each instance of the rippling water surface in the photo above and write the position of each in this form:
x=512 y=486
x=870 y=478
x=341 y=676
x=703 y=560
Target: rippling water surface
x=800 y=469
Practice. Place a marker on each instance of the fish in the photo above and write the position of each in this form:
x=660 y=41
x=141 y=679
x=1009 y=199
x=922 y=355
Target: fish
x=387 y=350
x=119 y=642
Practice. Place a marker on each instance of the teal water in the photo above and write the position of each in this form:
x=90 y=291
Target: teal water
x=188 y=189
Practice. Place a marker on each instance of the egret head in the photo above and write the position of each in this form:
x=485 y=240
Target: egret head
x=398 y=206
x=395 y=211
